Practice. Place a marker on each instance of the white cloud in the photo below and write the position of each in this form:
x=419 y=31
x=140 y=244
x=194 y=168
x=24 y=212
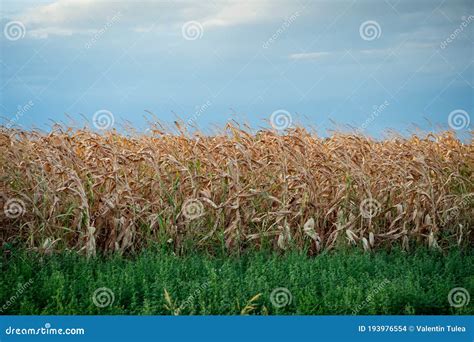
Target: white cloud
x=68 y=17
x=310 y=55
x=238 y=12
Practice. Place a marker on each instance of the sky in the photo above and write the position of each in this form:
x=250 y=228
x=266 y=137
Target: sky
x=370 y=65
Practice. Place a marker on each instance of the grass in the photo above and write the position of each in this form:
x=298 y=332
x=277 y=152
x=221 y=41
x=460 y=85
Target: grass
x=153 y=282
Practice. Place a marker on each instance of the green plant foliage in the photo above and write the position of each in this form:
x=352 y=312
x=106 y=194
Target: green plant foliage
x=153 y=282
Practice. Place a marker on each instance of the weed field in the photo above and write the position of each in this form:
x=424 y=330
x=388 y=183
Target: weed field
x=343 y=282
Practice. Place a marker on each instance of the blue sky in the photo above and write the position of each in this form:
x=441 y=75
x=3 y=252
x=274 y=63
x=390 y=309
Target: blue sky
x=374 y=65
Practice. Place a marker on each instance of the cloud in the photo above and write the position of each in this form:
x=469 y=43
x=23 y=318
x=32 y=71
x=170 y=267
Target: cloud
x=61 y=18
x=68 y=17
x=408 y=48
x=238 y=13
x=310 y=55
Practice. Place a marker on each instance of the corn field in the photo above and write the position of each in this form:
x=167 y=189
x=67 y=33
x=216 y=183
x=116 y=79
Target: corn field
x=88 y=192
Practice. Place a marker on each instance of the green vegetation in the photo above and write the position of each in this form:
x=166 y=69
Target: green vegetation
x=153 y=282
